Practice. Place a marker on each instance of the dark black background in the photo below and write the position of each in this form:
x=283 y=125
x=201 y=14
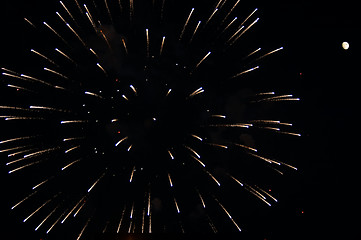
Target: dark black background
x=318 y=200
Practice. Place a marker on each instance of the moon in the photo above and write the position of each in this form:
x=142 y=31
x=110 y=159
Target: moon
x=345 y=45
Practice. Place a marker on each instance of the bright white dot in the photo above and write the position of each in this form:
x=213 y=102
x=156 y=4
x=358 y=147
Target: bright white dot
x=345 y=45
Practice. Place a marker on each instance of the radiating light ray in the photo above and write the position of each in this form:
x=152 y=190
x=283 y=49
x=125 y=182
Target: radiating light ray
x=150 y=223
x=197 y=137
x=194 y=32
x=244 y=146
x=269 y=195
x=14 y=76
x=103 y=70
x=284 y=97
x=17 y=88
x=228 y=214
x=121 y=219
x=192 y=150
x=230 y=11
x=218 y=116
x=70 y=164
x=131 y=175
x=56 y=73
x=46 y=202
x=290 y=133
x=48 y=108
x=66 y=9
x=76 y=34
x=121 y=140
x=125 y=97
x=170 y=180
x=55 y=32
x=42 y=222
x=210 y=17
x=229 y=24
x=130 y=147
x=95 y=183
x=14 y=108
x=214 y=179
x=131 y=211
x=204 y=58
x=131 y=10
x=269 y=53
x=245 y=20
x=169 y=91
x=83 y=229
x=186 y=23
x=93 y=94
x=130 y=226
x=143 y=219
x=56 y=221
x=252 y=53
x=73 y=139
x=235 y=34
x=72 y=149
x=269 y=128
x=211 y=224
x=72 y=210
x=21 y=201
x=89 y=16
x=15 y=161
x=199 y=161
x=276 y=170
x=81 y=206
x=134 y=89
x=232 y=125
x=176 y=205
x=265 y=93
x=257 y=194
x=161 y=46
x=24 y=166
x=244 y=31
x=14 y=148
x=201 y=198
x=37 y=80
x=105 y=227
x=41 y=183
x=288 y=165
x=108 y=10
x=235 y=179
x=73 y=121
x=105 y=39
x=148 y=205
x=264 y=159
x=125 y=46
x=44 y=57
x=196 y=92
x=35 y=154
x=61 y=18
x=28 y=21
x=245 y=71
x=79 y=7
x=217 y=145
x=21 y=152
x=93 y=52
x=147 y=37
x=10 y=71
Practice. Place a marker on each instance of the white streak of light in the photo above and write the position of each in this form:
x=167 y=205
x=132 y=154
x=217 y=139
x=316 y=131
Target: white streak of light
x=96 y=182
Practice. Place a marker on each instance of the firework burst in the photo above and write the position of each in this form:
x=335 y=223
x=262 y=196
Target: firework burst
x=124 y=122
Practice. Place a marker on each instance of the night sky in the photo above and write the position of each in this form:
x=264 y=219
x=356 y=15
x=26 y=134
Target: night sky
x=317 y=200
